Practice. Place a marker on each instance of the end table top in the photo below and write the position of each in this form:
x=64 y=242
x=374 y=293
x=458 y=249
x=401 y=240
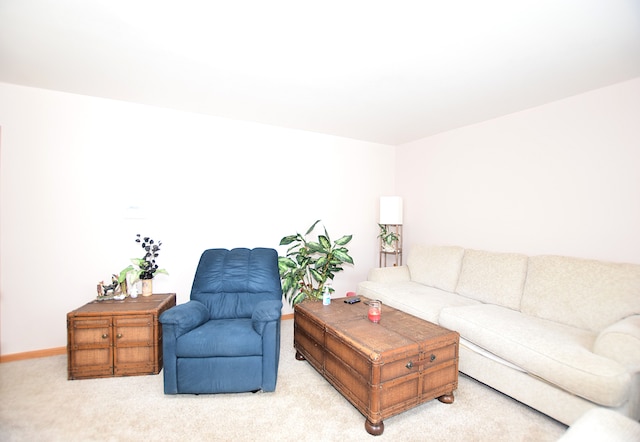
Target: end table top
x=128 y=305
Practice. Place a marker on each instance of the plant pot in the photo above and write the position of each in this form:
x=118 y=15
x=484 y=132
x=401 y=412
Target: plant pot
x=147 y=287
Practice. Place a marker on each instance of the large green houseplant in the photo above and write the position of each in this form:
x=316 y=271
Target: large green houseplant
x=308 y=265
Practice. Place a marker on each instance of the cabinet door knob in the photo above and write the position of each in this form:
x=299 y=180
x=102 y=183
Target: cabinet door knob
x=409 y=365
x=432 y=358
x=119 y=335
x=105 y=336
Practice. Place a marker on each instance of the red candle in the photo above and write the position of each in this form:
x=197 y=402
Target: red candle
x=374 y=311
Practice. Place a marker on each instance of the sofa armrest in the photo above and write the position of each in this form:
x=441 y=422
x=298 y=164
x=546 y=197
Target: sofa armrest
x=389 y=274
x=621 y=342
x=266 y=311
x=185 y=317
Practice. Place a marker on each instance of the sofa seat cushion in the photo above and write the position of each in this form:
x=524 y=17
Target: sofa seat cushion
x=558 y=353
x=413 y=298
x=221 y=337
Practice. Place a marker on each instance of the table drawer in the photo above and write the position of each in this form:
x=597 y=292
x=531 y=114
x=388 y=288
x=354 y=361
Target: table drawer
x=437 y=356
x=402 y=367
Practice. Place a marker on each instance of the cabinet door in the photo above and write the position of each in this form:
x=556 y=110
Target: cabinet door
x=133 y=344
x=90 y=351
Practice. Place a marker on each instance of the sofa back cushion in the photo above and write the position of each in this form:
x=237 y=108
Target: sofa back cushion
x=493 y=278
x=436 y=266
x=583 y=293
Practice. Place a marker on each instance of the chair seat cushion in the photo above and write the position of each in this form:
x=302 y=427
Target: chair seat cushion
x=220 y=337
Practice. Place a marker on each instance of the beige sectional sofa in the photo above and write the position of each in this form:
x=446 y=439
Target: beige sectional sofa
x=559 y=334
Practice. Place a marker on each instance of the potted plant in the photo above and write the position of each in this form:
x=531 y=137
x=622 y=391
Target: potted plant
x=389 y=239
x=309 y=265
x=144 y=268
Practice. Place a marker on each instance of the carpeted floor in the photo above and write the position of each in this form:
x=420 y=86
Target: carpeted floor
x=38 y=403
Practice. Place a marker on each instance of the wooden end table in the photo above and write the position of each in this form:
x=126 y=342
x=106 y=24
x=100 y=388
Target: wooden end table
x=383 y=369
x=116 y=338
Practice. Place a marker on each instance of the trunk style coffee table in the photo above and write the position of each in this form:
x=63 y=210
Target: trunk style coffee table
x=383 y=369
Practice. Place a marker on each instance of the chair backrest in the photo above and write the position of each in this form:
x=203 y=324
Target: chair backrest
x=231 y=282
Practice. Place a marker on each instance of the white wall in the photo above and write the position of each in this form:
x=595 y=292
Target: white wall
x=563 y=178
x=72 y=165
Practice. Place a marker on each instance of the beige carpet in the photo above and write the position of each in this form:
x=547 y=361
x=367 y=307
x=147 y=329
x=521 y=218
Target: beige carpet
x=37 y=403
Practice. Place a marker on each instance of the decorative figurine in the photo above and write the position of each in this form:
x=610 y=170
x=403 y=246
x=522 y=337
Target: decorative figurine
x=109 y=291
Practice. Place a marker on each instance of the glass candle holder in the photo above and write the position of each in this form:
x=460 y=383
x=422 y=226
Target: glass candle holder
x=375 y=309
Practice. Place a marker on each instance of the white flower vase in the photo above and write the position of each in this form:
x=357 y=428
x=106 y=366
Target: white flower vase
x=147 y=287
x=132 y=287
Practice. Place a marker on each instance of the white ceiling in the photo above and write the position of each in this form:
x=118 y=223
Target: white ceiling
x=383 y=71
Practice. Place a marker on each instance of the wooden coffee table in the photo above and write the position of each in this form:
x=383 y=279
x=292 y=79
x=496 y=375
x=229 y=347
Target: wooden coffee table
x=382 y=369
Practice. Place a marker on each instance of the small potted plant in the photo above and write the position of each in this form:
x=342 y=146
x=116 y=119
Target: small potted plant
x=309 y=265
x=144 y=268
x=389 y=239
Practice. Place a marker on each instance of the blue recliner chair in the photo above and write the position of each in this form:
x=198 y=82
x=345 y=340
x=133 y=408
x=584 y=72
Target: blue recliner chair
x=226 y=339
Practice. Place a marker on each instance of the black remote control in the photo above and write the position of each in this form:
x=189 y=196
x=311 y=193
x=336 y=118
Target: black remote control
x=352 y=300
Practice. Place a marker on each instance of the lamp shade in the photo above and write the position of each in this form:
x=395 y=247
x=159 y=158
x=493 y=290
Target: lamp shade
x=390 y=210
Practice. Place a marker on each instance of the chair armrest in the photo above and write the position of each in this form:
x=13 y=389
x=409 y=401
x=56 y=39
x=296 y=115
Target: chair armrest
x=389 y=274
x=266 y=311
x=621 y=342
x=185 y=317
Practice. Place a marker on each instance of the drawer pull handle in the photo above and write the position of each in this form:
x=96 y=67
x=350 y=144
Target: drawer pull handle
x=119 y=335
x=432 y=358
x=409 y=365
x=105 y=336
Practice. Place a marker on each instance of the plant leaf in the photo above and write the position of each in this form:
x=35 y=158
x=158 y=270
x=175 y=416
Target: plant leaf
x=343 y=256
x=315 y=247
x=313 y=226
x=285 y=264
x=287 y=284
x=297 y=298
x=123 y=273
x=324 y=241
x=321 y=262
x=288 y=240
x=327 y=234
x=344 y=240
x=316 y=275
